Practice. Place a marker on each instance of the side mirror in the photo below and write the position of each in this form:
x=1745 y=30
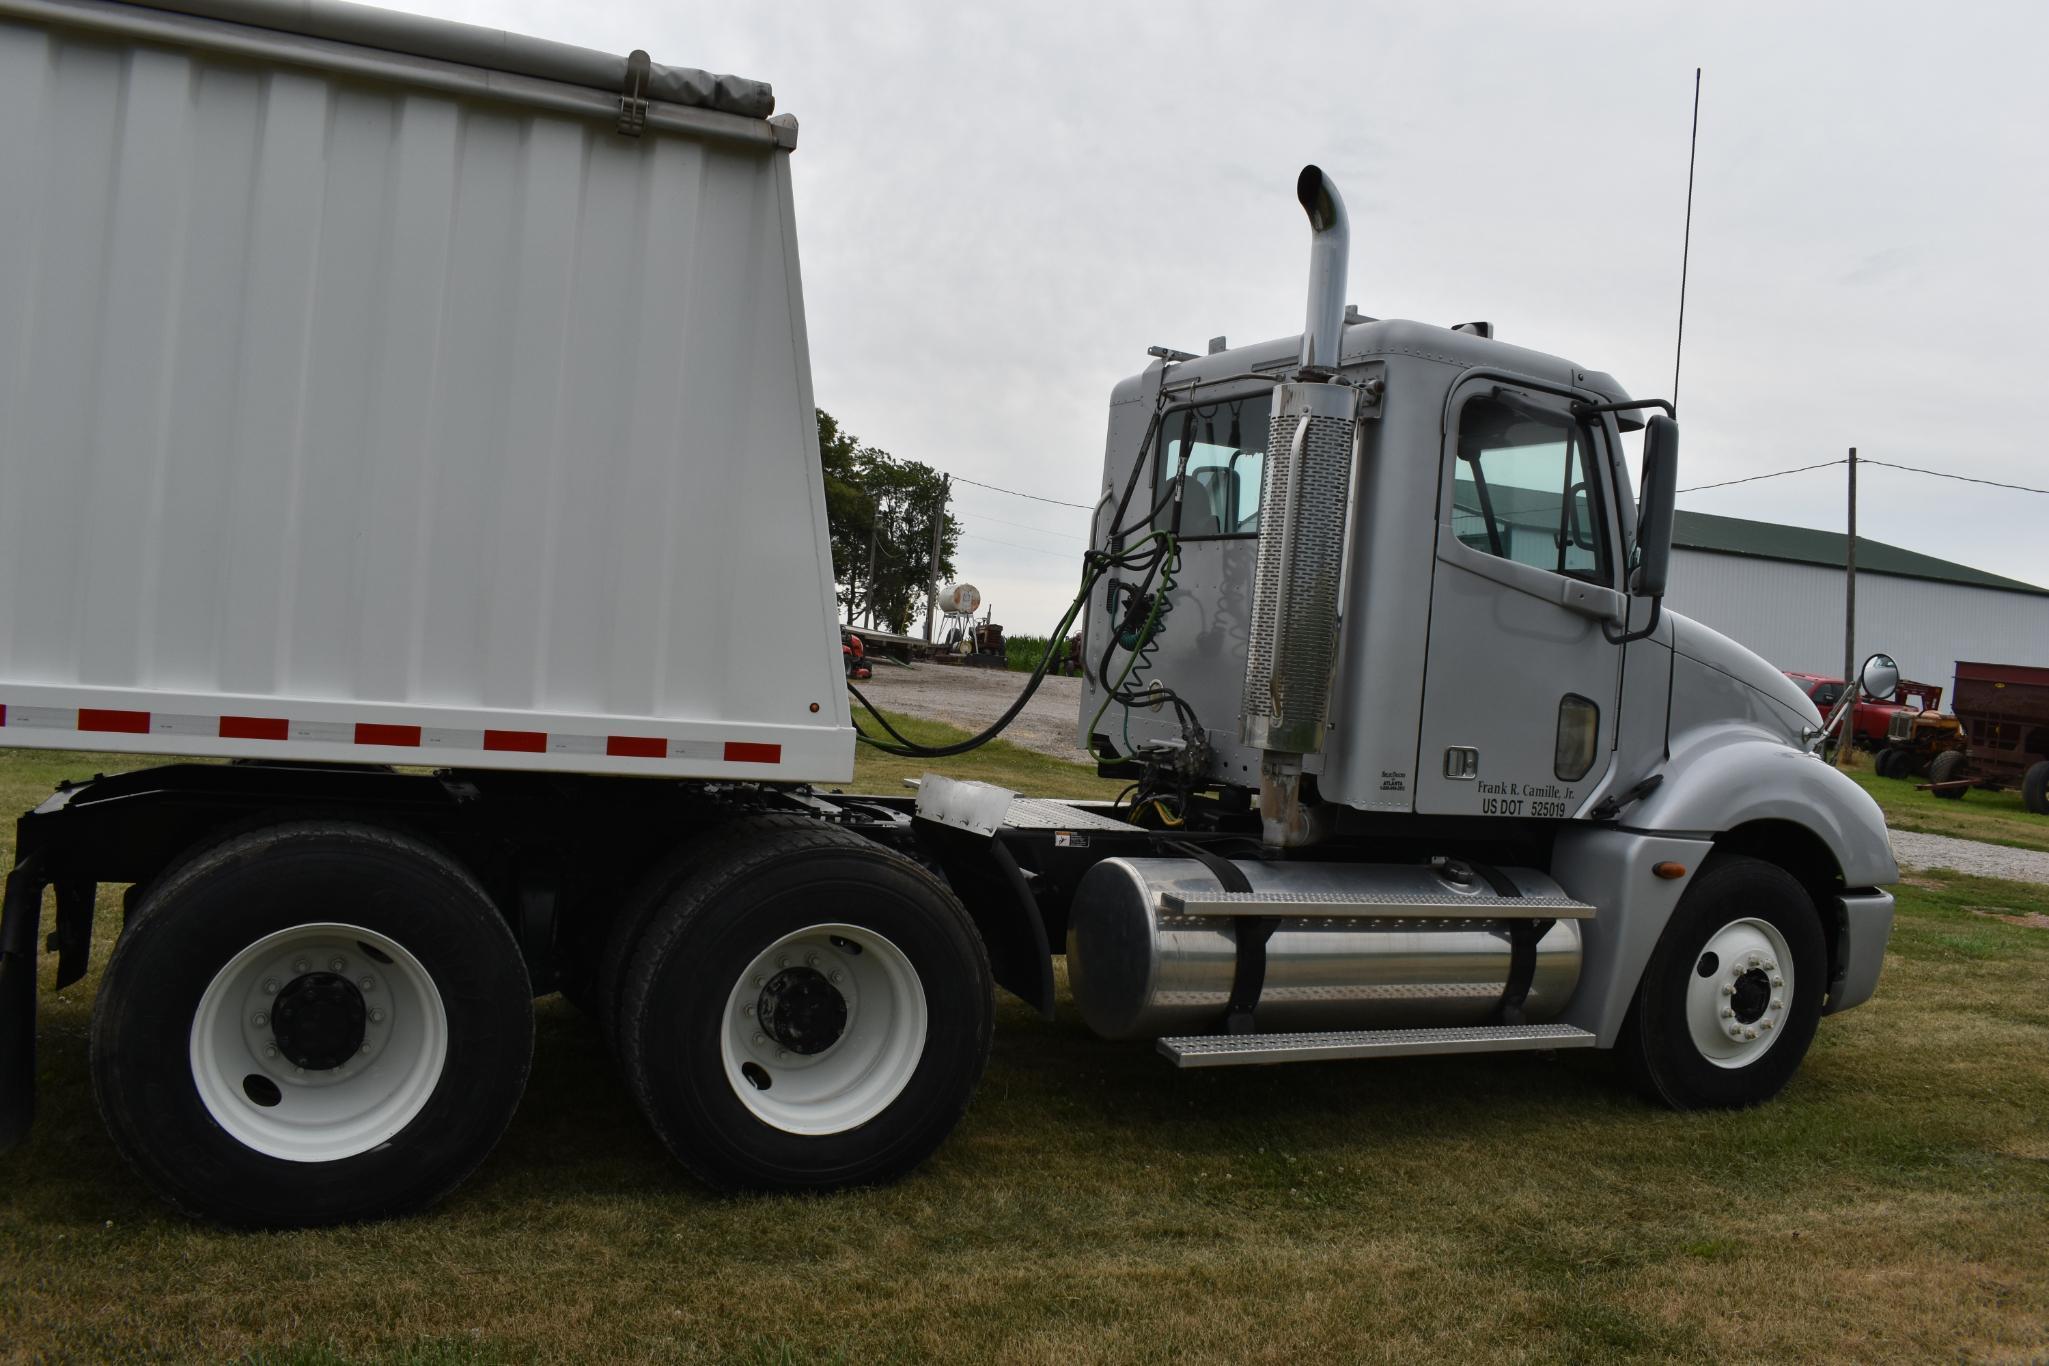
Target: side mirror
x=1880 y=678
x=1654 y=511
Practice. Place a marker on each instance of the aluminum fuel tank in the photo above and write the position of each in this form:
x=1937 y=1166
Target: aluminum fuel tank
x=1137 y=972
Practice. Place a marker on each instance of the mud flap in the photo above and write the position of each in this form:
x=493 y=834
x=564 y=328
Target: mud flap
x=986 y=878
x=21 y=912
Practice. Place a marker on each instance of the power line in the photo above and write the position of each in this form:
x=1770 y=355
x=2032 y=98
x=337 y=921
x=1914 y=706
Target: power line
x=1037 y=498
x=1943 y=474
x=1751 y=479
x=981 y=516
x=1035 y=549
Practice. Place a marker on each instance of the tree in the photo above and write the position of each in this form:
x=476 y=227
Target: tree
x=866 y=487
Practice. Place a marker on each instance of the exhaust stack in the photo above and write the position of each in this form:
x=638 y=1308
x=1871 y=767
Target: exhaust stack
x=1304 y=500
x=1330 y=249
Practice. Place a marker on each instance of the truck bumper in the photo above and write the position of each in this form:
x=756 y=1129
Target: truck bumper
x=1863 y=924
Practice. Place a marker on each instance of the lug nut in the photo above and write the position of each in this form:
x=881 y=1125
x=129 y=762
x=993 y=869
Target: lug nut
x=838 y=976
x=337 y=963
x=782 y=960
x=260 y=1020
x=1749 y=1033
x=303 y=965
x=1728 y=990
x=376 y=1017
x=364 y=1049
x=781 y=1056
x=368 y=983
x=1778 y=1004
x=1778 y=981
x=270 y=1051
x=270 y=987
x=758 y=981
x=1764 y=1024
x=1728 y=1014
x=760 y=1039
x=811 y=960
x=747 y=1010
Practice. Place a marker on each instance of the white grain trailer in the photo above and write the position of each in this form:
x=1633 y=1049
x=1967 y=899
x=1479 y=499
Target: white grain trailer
x=393 y=409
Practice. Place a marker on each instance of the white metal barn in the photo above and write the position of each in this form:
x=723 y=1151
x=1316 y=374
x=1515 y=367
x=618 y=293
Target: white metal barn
x=1779 y=590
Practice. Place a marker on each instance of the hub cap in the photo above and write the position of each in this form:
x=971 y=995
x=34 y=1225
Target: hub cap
x=824 y=1029
x=318 y=1042
x=1738 y=993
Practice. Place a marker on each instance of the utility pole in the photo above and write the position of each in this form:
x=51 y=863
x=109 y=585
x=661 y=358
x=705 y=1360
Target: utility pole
x=874 y=516
x=932 y=579
x=1851 y=684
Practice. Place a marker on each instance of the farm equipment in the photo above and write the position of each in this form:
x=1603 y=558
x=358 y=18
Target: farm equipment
x=2003 y=712
x=418 y=417
x=1916 y=737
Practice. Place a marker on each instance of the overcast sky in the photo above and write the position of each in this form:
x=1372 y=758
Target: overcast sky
x=1000 y=207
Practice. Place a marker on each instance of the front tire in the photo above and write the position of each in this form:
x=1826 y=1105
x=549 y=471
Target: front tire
x=810 y=1011
x=1949 y=767
x=1731 y=997
x=311 y=1024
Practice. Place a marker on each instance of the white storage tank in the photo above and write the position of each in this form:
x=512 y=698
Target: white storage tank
x=366 y=393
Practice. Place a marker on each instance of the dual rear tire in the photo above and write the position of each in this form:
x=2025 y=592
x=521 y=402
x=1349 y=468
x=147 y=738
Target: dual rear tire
x=311 y=1024
x=804 y=1011
x=326 y=1022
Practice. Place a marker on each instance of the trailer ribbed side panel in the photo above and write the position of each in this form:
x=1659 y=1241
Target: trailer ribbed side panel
x=333 y=399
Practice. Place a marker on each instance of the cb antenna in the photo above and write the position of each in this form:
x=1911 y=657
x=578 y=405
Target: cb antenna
x=1686 y=241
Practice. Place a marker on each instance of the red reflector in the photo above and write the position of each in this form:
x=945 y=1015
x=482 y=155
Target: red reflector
x=744 y=752
x=254 y=728
x=3 y=715
x=372 y=733
x=636 y=747
x=1669 y=871
x=523 y=741
x=128 y=722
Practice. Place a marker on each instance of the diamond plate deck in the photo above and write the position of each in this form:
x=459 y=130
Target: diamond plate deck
x=1240 y=1050
x=1039 y=813
x=1377 y=905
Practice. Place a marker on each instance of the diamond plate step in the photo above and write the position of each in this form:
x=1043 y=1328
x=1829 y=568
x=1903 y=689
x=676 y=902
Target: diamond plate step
x=1239 y=1050
x=1375 y=905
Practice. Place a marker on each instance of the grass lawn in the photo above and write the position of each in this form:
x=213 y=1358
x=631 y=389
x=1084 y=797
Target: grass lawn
x=1995 y=817
x=1095 y=1204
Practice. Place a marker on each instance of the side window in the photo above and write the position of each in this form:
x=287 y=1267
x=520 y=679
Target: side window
x=1528 y=489
x=1825 y=696
x=1226 y=448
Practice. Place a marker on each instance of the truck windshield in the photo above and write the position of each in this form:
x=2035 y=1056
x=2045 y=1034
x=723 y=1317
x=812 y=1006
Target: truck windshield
x=1226 y=446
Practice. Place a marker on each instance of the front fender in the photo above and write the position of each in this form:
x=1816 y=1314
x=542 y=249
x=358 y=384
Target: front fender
x=1711 y=789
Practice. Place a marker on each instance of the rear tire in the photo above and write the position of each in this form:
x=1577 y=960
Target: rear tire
x=1745 y=939
x=1887 y=764
x=810 y=1011
x=252 y=1081
x=2035 y=788
x=1949 y=766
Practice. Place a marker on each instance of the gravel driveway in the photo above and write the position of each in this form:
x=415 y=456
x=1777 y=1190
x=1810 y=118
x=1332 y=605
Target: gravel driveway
x=972 y=698
x=1970 y=856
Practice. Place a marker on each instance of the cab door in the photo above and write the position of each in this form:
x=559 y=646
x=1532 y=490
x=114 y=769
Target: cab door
x=1521 y=683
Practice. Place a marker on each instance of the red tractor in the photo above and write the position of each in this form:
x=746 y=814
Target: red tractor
x=1871 y=721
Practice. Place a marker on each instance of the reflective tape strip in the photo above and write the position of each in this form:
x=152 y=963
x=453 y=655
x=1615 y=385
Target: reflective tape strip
x=384 y=735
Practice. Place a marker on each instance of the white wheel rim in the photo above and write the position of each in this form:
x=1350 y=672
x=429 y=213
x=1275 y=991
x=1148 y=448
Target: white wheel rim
x=854 y=1077
x=240 y=1053
x=1738 y=992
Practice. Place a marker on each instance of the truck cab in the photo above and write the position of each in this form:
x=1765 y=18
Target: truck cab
x=1384 y=597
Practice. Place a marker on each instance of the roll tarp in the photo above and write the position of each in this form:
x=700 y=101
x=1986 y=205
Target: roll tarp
x=493 y=49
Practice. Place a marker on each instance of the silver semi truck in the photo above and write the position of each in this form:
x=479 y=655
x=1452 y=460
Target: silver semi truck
x=388 y=409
